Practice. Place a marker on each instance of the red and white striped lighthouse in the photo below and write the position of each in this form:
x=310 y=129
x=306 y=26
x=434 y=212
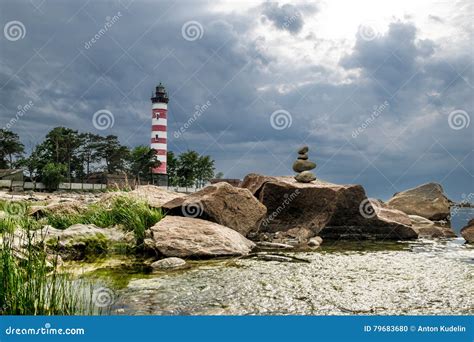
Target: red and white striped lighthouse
x=159 y=132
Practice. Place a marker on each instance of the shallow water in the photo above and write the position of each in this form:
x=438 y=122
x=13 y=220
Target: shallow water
x=422 y=277
x=460 y=217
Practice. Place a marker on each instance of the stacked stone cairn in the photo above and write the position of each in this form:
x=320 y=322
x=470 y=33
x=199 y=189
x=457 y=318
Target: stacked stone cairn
x=302 y=166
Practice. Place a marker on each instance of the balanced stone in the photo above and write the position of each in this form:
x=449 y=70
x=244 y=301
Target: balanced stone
x=301 y=165
x=303 y=150
x=305 y=177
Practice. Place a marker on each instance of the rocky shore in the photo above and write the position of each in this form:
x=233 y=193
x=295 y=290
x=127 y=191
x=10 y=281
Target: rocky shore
x=264 y=213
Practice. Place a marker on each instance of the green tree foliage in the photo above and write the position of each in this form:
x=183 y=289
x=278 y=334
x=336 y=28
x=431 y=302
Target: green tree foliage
x=189 y=169
x=172 y=169
x=10 y=148
x=60 y=147
x=31 y=164
x=88 y=153
x=67 y=155
x=53 y=175
x=113 y=153
x=142 y=160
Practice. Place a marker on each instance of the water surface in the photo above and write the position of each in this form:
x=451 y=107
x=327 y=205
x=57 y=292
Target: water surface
x=422 y=277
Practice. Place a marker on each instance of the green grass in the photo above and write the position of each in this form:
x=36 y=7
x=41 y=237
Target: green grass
x=15 y=215
x=30 y=280
x=132 y=215
x=30 y=284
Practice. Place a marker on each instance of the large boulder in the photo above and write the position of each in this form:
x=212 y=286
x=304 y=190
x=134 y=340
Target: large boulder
x=153 y=195
x=468 y=232
x=68 y=207
x=428 y=228
x=427 y=200
x=222 y=203
x=77 y=242
x=81 y=241
x=330 y=210
x=176 y=236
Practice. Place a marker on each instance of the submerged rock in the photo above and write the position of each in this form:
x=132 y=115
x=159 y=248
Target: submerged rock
x=427 y=200
x=315 y=241
x=273 y=245
x=168 y=263
x=222 y=203
x=428 y=228
x=467 y=232
x=330 y=210
x=190 y=237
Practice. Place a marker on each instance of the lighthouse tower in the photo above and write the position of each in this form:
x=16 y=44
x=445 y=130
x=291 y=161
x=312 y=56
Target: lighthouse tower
x=159 y=133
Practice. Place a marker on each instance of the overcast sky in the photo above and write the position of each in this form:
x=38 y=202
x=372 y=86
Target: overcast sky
x=381 y=91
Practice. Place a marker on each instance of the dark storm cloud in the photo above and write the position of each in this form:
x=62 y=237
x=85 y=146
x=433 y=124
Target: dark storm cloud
x=68 y=78
x=286 y=17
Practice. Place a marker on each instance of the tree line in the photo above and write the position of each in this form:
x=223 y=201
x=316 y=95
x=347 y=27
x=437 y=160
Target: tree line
x=68 y=155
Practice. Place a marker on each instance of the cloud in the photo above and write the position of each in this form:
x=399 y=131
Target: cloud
x=286 y=17
x=247 y=74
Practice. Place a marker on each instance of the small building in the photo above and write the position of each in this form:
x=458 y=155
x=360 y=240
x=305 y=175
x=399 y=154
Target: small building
x=11 y=174
x=231 y=181
x=11 y=179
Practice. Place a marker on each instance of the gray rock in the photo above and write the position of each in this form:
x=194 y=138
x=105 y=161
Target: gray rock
x=332 y=211
x=303 y=156
x=427 y=200
x=153 y=195
x=315 y=242
x=303 y=149
x=467 y=232
x=221 y=203
x=305 y=177
x=177 y=236
x=428 y=228
x=168 y=263
x=273 y=245
x=301 y=165
x=272 y=257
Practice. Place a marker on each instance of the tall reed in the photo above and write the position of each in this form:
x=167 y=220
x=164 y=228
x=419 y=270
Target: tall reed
x=30 y=283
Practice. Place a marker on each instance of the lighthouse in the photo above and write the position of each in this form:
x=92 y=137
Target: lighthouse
x=159 y=101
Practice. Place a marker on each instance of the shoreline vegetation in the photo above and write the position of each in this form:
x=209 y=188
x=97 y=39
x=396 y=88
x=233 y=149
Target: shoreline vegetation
x=32 y=281
x=42 y=235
